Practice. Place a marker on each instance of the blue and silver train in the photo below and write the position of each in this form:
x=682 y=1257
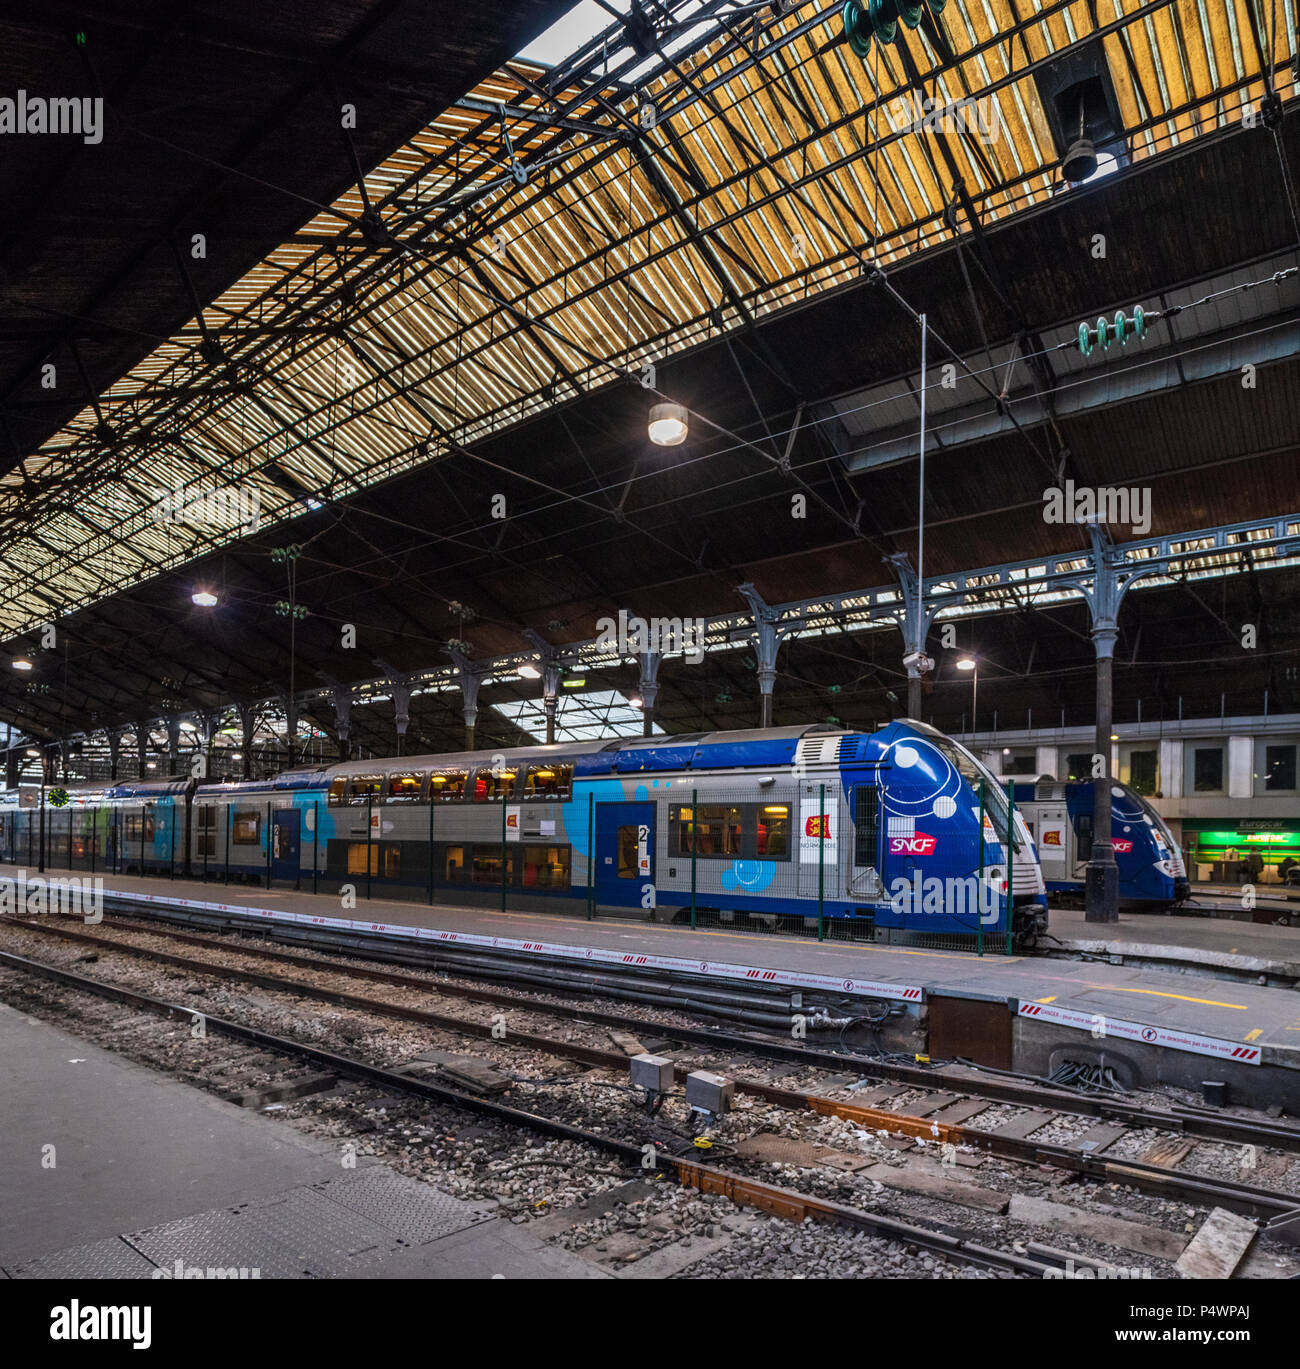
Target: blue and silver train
x=1152 y=873
x=902 y=829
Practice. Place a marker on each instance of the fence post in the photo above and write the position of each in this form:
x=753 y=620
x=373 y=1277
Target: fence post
x=1011 y=860
x=268 y=843
x=230 y=813
x=430 y=845
x=821 y=864
x=504 y=867
x=695 y=846
x=142 y=818
x=591 y=852
x=207 y=831
x=370 y=804
x=983 y=892
x=171 y=844
x=94 y=836
x=315 y=845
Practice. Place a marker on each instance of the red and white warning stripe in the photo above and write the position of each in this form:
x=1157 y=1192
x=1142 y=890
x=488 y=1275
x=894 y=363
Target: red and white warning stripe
x=792 y=979
x=1104 y=1027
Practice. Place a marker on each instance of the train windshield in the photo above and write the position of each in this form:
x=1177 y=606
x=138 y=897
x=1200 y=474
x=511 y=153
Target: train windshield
x=996 y=807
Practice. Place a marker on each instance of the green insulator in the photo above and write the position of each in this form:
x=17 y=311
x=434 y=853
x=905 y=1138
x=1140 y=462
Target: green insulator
x=1085 y=339
x=856 y=28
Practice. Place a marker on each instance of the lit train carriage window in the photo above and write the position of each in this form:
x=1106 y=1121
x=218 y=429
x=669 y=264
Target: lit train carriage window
x=132 y=826
x=405 y=788
x=720 y=831
x=774 y=832
x=680 y=829
x=448 y=785
x=628 y=851
x=546 y=867
x=357 y=853
x=492 y=784
x=246 y=826
x=548 y=781
x=337 y=788
x=365 y=789
x=487 y=865
x=455 y=866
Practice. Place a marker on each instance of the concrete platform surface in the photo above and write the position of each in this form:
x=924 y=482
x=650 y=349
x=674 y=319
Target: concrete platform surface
x=1242 y=947
x=147 y=1172
x=1162 y=1004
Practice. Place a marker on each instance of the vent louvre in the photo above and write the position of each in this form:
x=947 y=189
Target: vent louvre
x=818 y=750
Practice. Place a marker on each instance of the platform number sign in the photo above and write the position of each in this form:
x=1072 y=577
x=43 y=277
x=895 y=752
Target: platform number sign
x=643 y=849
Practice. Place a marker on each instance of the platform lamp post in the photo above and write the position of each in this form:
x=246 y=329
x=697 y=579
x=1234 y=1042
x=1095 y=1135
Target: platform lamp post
x=971 y=664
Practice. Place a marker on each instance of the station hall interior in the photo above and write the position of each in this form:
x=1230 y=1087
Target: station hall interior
x=793 y=503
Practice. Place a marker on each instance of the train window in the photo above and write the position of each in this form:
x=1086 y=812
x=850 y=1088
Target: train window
x=681 y=830
x=392 y=861
x=405 y=788
x=246 y=826
x=455 y=864
x=206 y=821
x=448 y=786
x=866 y=825
x=1083 y=836
x=546 y=867
x=493 y=784
x=487 y=865
x=358 y=851
x=337 y=788
x=547 y=781
x=629 y=849
x=773 y=832
x=132 y=827
x=365 y=788
x=719 y=831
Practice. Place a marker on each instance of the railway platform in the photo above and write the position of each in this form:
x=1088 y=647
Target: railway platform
x=1151 y=1025
x=113 y=1170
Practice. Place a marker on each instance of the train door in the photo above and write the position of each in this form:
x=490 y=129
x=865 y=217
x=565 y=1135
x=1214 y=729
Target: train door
x=286 y=838
x=625 y=853
x=865 y=869
x=1053 y=835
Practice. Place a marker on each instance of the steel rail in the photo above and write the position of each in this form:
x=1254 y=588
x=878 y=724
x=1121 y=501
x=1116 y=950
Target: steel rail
x=781 y=1202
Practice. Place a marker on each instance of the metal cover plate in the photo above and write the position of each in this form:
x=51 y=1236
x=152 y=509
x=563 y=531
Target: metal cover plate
x=110 y=1259
x=218 y=1240
x=416 y=1212
x=327 y=1241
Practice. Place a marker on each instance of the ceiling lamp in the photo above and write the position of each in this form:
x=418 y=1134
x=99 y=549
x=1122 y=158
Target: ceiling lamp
x=668 y=425
x=204 y=598
x=22 y=663
x=966 y=663
x=636 y=701
x=530 y=672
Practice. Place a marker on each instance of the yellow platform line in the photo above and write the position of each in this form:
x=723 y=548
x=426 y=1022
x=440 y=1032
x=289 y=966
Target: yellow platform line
x=1251 y=1036
x=1160 y=993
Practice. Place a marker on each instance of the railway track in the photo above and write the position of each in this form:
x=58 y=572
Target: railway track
x=788 y=1204
x=941 y=1117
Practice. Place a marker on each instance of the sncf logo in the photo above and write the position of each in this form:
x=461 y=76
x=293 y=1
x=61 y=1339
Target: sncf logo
x=919 y=844
x=1122 y=847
